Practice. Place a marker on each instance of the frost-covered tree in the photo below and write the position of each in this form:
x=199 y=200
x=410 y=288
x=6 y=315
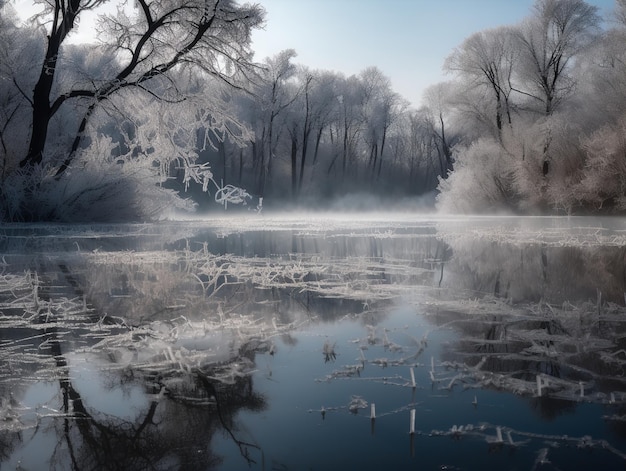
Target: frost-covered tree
x=422 y=154
x=602 y=72
x=19 y=48
x=603 y=183
x=480 y=182
x=381 y=108
x=555 y=75
x=620 y=11
x=549 y=41
x=275 y=92
x=486 y=60
x=318 y=103
x=161 y=50
x=348 y=125
x=438 y=109
x=159 y=38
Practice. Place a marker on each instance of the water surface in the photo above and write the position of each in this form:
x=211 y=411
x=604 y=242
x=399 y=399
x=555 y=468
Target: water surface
x=314 y=342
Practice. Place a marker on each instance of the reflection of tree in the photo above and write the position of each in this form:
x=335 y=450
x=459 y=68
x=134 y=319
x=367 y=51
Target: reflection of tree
x=9 y=440
x=574 y=351
x=549 y=408
x=176 y=426
x=532 y=309
x=156 y=318
x=540 y=310
x=534 y=272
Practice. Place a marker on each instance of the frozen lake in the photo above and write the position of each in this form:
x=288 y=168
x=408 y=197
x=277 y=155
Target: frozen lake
x=320 y=341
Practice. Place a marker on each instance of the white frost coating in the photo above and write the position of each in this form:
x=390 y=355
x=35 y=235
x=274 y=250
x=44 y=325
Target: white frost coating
x=231 y=194
x=224 y=194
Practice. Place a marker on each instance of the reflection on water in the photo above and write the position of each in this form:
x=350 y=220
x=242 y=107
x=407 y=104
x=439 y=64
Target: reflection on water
x=182 y=345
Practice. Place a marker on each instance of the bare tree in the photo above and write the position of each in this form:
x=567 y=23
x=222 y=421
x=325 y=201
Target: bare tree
x=486 y=59
x=211 y=36
x=349 y=124
x=275 y=96
x=549 y=40
x=381 y=106
x=322 y=106
x=437 y=105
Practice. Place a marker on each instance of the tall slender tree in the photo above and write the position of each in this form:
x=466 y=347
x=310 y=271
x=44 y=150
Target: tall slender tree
x=275 y=97
x=486 y=60
x=549 y=41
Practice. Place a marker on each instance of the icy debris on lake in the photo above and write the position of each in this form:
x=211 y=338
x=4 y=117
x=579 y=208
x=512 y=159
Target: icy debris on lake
x=186 y=320
x=501 y=342
x=532 y=349
x=502 y=436
x=521 y=231
x=356 y=403
x=46 y=327
x=150 y=286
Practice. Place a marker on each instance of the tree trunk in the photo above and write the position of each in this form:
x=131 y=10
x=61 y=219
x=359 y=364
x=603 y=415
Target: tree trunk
x=294 y=166
x=42 y=111
x=373 y=157
x=222 y=151
x=64 y=17
x=305 y=145
x=345 y=146
x=382 y=149
x=76 y=143
x=240 y=166
x=318 y=138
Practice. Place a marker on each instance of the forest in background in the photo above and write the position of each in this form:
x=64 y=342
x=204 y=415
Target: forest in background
x=171 y=111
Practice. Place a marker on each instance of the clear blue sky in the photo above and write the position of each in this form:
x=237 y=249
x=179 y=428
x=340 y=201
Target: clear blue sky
x=407 y=39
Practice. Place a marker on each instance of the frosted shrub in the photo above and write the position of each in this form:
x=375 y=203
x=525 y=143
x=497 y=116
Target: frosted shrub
x=481 y=180
x=102 y=189
x=604 y=180
x=547 y=165
x=527 y=173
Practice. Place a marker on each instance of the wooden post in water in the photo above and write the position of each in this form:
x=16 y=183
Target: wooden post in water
x=412 y=425
x=412 y=378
